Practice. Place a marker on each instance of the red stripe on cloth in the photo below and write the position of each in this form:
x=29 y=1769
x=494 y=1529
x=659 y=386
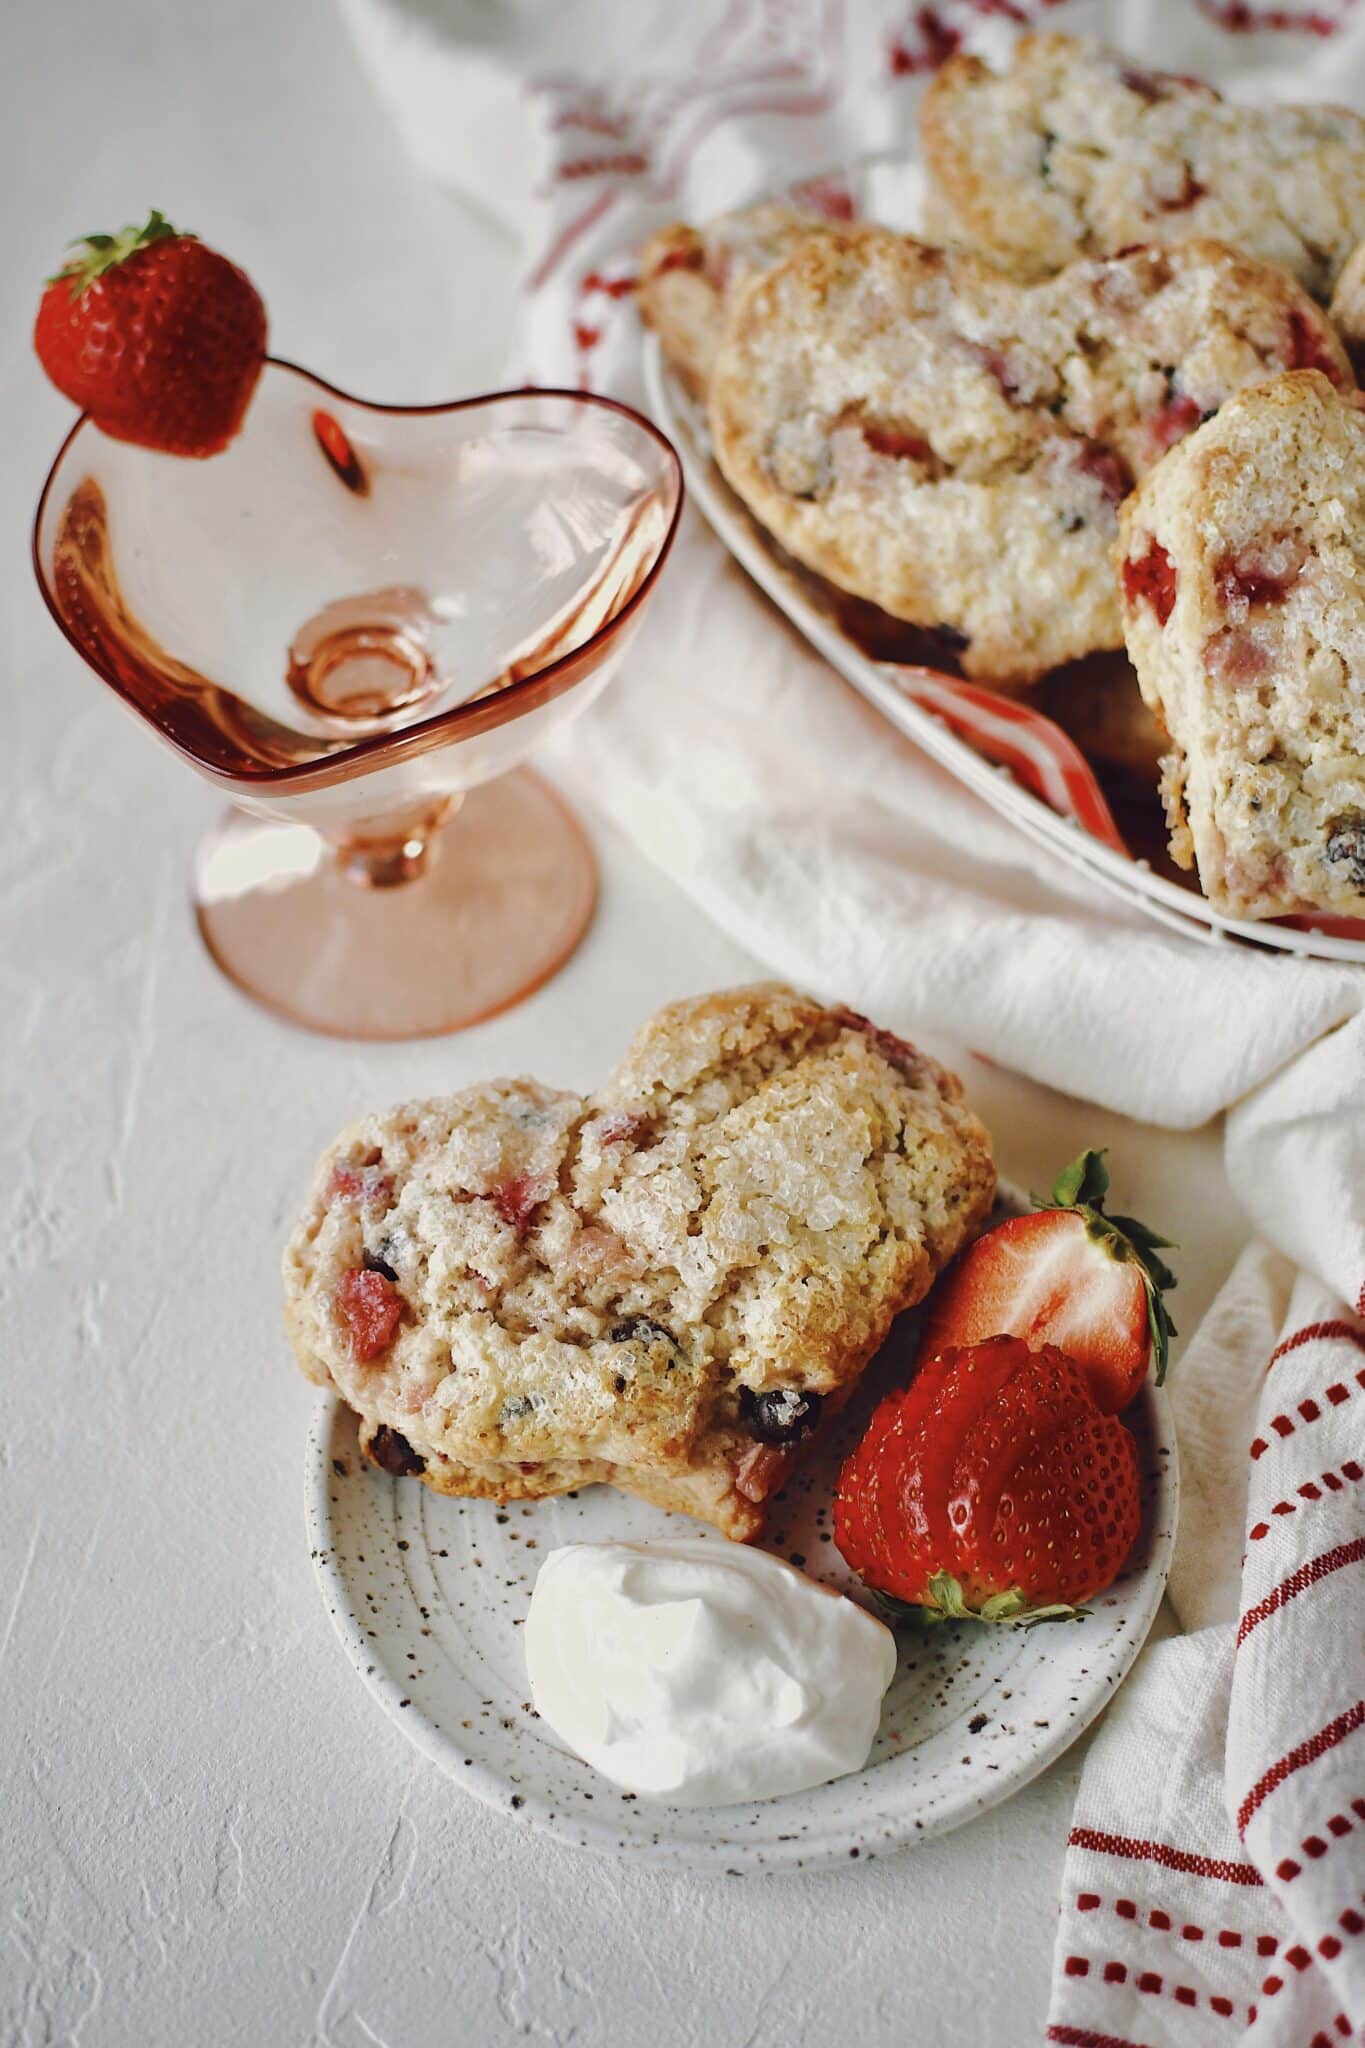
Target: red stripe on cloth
x=1037 y=753
x=560 y=247
x=1350 y=1470
x=1305 y=1753
x=1082 y=2037
x=627 y=163
x=1240 y=19
x=1310 y=1333
x=1160 y=1852
x=1298 y=1582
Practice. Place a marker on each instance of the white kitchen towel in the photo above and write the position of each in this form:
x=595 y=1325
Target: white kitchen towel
x=823 y=841
x=1215 y=1875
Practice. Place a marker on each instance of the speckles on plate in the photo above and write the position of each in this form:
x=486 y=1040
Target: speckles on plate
x=429 y=1595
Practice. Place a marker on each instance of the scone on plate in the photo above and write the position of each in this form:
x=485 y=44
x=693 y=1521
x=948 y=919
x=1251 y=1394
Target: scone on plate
x=687 y=274
x=1074 y=151
x=1242 y=562
x=934 y=436
x=668 y=1285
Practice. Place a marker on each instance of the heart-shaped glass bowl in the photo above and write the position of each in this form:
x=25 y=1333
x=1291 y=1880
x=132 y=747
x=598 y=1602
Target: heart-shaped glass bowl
x=357 y=621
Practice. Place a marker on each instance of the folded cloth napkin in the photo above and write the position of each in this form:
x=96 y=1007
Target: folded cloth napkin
x=830 y=847
x=1213 y=1881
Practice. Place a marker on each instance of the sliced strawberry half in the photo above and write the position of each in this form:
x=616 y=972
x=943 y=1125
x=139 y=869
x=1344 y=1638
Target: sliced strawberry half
x=991 y=1489
x=1069 y=1275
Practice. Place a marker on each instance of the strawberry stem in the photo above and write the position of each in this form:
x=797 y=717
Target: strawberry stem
x=1005 y=1610
x=106 y=252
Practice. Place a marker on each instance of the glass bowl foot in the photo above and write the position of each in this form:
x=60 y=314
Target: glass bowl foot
x=501 y=901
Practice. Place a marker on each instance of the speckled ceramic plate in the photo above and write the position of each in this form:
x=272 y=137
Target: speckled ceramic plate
x=429 y=1595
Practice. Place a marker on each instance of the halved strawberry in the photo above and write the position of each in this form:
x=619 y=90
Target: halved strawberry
x=1070 y=1275
x=991 y=1489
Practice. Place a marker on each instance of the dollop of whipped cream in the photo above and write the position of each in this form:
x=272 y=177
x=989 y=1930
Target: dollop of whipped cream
x=703 y=1673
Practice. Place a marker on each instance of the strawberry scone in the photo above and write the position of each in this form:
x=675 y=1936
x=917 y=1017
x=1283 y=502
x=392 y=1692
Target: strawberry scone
x=953 y=445
x=687 y=276
x=667 y=1286
x=1074 y=151
x=1242 y=563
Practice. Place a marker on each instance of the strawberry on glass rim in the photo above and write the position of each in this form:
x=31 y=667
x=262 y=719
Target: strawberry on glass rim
x=1068 y=1275
x=158 y=338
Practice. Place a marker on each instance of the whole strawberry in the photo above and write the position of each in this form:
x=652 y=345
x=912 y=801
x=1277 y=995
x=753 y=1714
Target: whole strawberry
x=158 y=338
x=991 y=1488
x=1070 y=1275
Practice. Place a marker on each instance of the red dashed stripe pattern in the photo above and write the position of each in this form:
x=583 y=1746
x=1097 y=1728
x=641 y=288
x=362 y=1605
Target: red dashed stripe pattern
x=1188 y=1930
x=1150 y=1982
x=1308 y=1410
x=1352 y=1472
x=1313 y=1847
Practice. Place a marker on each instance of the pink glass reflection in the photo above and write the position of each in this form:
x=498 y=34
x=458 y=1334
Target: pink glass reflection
x=357 y=622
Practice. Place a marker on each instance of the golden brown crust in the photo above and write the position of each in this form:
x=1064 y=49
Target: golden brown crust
x=666 y=1286
x=1243 y=564
x=952 y=445
x=687 y=276
x=1072 y=150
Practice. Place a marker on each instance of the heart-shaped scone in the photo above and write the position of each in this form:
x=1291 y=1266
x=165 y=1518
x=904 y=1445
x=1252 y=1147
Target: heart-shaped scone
x=1073 y=150
x=668 y=1285
x=688 y=275
x=930 y=434
x=1242 y=561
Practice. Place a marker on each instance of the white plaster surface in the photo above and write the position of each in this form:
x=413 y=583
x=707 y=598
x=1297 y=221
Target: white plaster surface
x=208 y=1834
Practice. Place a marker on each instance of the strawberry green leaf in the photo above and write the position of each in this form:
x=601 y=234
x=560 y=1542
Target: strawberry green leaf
x=1146 y=1244
x=1007 y=1610
x=1003 y=1606
x=105 y=252
x=1141 y=1233
x=1081 y=1189
x=946 y=1595
x=1086 y=1180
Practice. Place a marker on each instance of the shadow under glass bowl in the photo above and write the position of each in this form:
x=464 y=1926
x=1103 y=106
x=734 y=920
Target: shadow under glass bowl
x=357 y=622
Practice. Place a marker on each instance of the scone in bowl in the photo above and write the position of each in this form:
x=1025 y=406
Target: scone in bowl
x=1079 y=751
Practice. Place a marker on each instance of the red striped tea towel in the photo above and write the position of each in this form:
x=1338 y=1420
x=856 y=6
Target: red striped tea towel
x=1215 y=1878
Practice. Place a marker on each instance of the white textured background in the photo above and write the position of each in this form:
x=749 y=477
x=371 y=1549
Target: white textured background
x=207 y=1833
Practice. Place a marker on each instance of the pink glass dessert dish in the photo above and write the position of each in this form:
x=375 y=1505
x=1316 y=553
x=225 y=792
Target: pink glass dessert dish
x=357 y=622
